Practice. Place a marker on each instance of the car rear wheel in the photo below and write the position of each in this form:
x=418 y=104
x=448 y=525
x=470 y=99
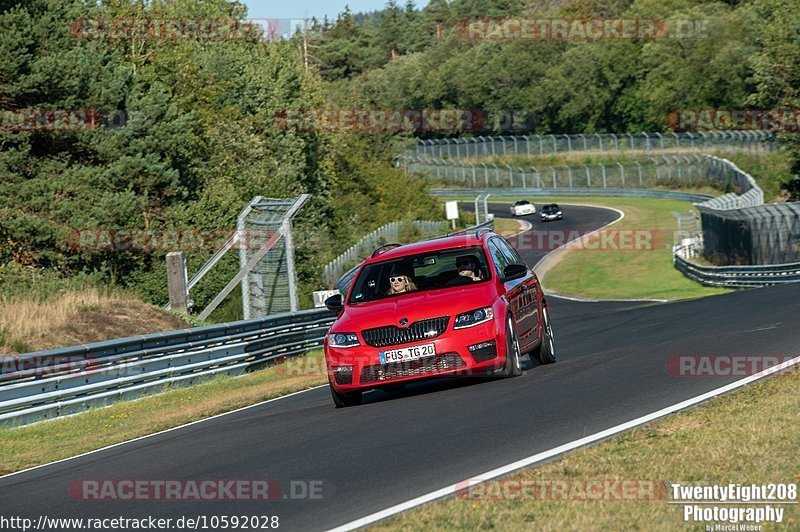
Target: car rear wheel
x=513 y=364
x=343 y=400
x=547 y=349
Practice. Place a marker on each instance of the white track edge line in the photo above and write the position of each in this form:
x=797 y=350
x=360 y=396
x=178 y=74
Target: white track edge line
x=539 y=457
x=138 y=438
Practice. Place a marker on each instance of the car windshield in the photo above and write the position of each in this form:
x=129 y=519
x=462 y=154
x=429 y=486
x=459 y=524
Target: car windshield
x=523 y=203
x=417 y=273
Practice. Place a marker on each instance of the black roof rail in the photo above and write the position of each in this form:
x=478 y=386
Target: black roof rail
x=384 y=248
x=478 y=232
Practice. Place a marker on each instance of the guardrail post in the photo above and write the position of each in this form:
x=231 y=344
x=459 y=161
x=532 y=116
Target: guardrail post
x=177 y=281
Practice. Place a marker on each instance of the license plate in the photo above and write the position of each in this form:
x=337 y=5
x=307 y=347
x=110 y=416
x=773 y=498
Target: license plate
x=407 y=353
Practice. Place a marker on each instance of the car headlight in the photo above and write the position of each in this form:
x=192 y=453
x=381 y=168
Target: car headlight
x=343 y=340
x=473 y=317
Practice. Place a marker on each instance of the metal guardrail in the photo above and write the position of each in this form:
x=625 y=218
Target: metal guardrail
x=738 y=276
x=60 y=382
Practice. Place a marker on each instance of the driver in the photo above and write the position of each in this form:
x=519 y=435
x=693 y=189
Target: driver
x=467 y=266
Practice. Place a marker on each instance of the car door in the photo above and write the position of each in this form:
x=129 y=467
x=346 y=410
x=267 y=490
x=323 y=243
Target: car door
x=527 y=305
x=513 y=289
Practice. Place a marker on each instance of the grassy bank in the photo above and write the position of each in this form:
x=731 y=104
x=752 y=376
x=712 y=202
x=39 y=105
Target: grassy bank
x=41 y=310
x=32 y=445
x=750 y=436
x=619 y=274
x=628 y=274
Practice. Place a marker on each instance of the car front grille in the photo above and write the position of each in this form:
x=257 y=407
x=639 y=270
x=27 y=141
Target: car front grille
x=417 y=331
x=423 y=366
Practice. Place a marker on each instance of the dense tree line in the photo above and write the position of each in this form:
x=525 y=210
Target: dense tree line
x=183 y=132
x=184 y=138
x=737 y=55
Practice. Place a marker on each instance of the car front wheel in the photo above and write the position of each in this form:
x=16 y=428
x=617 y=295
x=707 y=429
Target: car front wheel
x=343 y=400
x=513 y=364
x=547 y=349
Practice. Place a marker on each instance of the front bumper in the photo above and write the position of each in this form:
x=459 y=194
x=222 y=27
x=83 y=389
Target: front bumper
x=453 y=357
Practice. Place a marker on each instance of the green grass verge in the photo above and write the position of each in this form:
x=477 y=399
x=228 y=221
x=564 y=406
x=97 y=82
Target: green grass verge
x=613 y=274
x=40 y=443
x=749 y=436
x=634 y=274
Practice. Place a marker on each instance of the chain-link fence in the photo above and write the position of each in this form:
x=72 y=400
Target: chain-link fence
x=643 y=144
x=690 y=170
x=383 y=235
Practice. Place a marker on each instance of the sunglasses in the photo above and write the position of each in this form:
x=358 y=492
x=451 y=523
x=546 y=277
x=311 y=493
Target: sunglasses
x=461 y=263
x=399 y=279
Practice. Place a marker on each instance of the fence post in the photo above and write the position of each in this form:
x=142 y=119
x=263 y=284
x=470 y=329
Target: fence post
x=177 y=282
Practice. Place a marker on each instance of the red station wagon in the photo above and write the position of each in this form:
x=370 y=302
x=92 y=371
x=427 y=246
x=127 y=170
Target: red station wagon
x=464 y=304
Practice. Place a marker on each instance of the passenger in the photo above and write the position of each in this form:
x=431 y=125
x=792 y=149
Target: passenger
x=401 y=282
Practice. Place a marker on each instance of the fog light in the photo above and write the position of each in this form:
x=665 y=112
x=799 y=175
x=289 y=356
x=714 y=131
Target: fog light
x=483 y=351
x=343 y=374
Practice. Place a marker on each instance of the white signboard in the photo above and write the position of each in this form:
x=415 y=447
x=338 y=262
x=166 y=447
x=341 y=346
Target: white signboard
x=451 y=208
x=321 y=296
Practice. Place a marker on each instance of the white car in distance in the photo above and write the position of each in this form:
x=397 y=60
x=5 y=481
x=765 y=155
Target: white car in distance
x=523 y=208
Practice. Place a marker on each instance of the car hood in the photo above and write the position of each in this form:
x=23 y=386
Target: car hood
x=416 y=306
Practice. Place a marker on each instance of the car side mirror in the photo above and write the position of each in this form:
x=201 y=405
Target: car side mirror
x=514 y=271
x=334 y=303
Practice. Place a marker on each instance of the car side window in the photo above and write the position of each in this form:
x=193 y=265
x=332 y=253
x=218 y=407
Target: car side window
x=500 y=257
x=508 y=250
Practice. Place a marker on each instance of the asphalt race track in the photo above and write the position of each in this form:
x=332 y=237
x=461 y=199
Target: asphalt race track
x=610 y=369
